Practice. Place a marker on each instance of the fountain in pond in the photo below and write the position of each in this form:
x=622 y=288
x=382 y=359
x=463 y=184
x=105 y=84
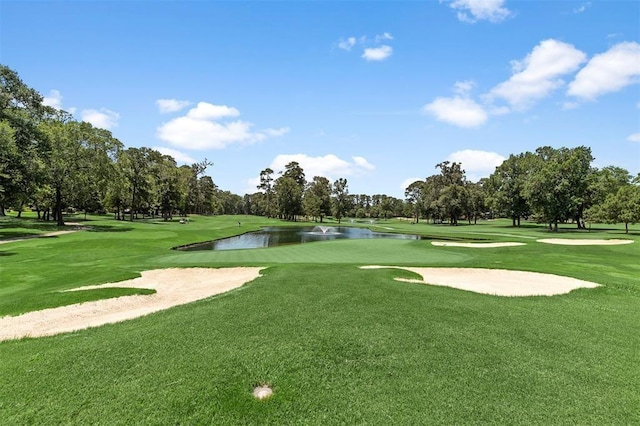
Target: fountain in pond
x=324 y=230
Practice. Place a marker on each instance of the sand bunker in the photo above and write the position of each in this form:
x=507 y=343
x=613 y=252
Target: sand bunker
x=173 y=287
x=571 y=242
x=475 y=245
x=497 y=282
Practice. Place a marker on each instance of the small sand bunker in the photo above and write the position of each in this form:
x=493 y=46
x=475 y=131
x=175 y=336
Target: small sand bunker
x=475 y=245
x=173 y=287
x=496 y=282
x=572 y=242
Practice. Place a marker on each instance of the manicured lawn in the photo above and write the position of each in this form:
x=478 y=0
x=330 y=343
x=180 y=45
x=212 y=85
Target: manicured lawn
x=339 y=345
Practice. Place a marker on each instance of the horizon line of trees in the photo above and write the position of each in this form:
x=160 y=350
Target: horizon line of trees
x=550 y=185
x=52 y=164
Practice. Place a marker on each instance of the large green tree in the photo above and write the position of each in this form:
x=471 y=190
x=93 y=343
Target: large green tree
x=414 y=196
x=557 y=187
x=505 y=187
x=317 y=198
x=22 y=110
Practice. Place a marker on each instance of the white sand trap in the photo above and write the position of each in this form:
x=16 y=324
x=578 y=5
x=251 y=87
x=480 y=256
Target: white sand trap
x=496 y=282
x=571 y=242
x=173 y=287
x=475 y=245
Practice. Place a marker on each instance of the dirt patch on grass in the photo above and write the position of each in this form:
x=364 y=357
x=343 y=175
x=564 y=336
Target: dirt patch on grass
x=173 y=287
x=572 y=242
x=475 y=245
x=497 y=282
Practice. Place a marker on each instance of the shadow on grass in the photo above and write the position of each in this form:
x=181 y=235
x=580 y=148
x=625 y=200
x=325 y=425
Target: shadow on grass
x=6 y=253
x=108 y=228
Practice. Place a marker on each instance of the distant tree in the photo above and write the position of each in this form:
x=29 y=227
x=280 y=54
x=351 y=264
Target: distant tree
x=505 y=187
x=317 y=198
x=289 y=197
x=295 y=172
x=453 y=195
x=266 y=185
x=475 y=204
x=136 y=166
x=414 y=195
x=340 y=198
x=621 y=207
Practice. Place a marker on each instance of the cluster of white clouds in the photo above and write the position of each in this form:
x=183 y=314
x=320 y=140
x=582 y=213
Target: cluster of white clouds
x=208 y=126
x=374 y=49
x=472 y=11
x=103 y=118
x=541 y=73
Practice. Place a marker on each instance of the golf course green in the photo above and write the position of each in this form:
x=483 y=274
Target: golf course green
x=335 y=343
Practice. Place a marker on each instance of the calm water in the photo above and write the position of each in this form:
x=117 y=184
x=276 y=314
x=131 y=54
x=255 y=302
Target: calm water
x=276 y=236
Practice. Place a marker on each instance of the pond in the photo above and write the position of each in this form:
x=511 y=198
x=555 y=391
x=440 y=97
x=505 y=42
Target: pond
x=278 y=236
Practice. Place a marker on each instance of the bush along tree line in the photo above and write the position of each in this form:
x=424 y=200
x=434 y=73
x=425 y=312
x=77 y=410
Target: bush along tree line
x=52 y=163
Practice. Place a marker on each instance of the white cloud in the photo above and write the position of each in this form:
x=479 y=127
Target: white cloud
x=463 y=87
x=207 y=111
x=477 y=164
x=373 y=49
x=635 y=137
x=171 y=105
x=201 y=128
x=377 y=53
x=405 y=183
x=329 y=166
x=478 y=10
x=459 y=111
x=537 y=75
x=54 y=99
x=383 y=36
x=608 y=72
x=252 y=185
x=362 y=163
x=103 y=118
x=582 y=7
x=347 y=44
x=276 y=132
x=180 y=157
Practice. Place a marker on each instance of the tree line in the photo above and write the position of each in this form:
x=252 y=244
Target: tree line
x=53 y=163
x=550 y=185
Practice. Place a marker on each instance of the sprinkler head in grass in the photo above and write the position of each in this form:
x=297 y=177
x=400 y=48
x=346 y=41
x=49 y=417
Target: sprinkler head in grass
x=262 y=392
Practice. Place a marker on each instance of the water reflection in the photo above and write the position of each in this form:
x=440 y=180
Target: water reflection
x=278 y=236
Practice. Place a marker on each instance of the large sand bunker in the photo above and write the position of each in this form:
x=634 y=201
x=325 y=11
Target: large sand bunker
x=572 y=242
x=173 y=287
x=475 y=245
x=497 y=282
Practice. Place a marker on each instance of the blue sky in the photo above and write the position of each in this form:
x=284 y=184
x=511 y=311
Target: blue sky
x=375 y=92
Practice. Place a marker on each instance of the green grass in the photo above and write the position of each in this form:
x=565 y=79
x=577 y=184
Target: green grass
x=339 y=345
